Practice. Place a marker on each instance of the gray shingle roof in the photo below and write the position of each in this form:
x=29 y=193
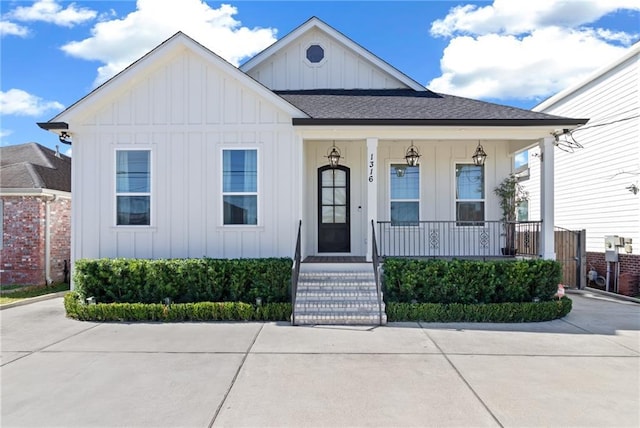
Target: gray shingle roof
x=32 y=166
x=388 y=105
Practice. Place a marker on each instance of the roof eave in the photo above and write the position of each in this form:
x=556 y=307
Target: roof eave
x=560 y=123
x=53 y=126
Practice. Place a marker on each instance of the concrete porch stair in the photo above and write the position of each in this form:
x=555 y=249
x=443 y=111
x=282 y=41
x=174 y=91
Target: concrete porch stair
x=337 y=294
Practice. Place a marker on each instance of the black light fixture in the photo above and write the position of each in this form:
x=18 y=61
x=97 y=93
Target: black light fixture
x=65 y=138
x=334 y=156
x=479 y=156
x=412 y=156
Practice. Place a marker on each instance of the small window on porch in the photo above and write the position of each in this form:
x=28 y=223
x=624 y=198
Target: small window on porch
x=404 y=195
x=469 y=194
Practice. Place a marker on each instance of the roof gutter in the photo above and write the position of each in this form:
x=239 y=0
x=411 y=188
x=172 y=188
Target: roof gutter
x=561 y=122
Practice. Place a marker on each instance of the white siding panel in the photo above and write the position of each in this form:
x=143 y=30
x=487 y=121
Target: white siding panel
x=159 y=83
x=248 y=108
x=213 y=96
x=177 y=86
x=186 y=144
x=289 y=69
x=232 y=101
x=178 y=208
x=590 y=183
x=124 y=109
x=195 y=93
x=141 y=103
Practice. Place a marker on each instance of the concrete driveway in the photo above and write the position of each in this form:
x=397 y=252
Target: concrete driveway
x=581 y=371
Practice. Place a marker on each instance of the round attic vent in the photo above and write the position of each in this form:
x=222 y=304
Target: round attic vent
x=315 y=54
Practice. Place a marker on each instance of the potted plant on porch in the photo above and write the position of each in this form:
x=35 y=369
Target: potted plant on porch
x=511 y=195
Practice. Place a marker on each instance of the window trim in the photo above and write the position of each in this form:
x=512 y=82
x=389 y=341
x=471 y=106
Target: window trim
x=116 y=193
x=256 y=193
x=390 y=164
x=324 y=56
x=462 y=223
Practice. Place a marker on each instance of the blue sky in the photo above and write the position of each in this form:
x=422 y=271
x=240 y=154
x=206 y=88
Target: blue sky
x=514 y=52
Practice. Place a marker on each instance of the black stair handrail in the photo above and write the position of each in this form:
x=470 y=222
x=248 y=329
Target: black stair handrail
x=295 y=274
x=376 y=268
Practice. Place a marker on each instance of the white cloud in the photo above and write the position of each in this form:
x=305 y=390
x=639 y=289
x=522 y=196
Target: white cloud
x=119 y=42
x=5 y=133
x=517 y=17
x=8 y=28
x=525 y=50
x=50 y=11
x=21 y=103
x=68 y=152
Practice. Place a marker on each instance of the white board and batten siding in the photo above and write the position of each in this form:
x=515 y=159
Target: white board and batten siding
x=186 y=111
x=341 y=67
x=590 y=183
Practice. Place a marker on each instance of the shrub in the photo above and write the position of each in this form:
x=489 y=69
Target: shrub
x=178 y=312
x=470 y=281
x=493 y=312
x=183 y=280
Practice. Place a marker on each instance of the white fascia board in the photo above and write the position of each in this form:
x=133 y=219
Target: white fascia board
x=544 y=105
x=530 y=134
x=317 y=23
x=173 y=45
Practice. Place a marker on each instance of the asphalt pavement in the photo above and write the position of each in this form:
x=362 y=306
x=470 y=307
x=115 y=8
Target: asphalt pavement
x=580 y=371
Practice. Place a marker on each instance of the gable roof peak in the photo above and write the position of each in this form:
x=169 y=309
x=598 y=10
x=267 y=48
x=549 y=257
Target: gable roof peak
x=315 y=22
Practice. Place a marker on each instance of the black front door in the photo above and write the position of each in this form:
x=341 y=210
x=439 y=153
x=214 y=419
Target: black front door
x=333 y=210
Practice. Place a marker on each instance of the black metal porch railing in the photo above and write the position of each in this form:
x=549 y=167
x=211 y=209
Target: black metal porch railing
x=447 y=239
x=375 y=258
x=295 y=274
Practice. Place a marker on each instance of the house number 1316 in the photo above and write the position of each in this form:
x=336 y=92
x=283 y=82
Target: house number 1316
x=371 y=164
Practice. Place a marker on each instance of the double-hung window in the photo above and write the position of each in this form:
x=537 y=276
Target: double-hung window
x=240 y=186
x=404 y=194
x=133 y=187
x=469 y=194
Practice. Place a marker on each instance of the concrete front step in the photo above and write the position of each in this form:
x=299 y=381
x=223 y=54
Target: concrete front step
x=337 y=306
x=338 y=297
x=326 y=318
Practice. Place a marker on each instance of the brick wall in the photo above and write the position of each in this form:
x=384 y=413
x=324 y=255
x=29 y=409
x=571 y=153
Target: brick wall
x=60 y=240
x=22 y=257
x=629 y=269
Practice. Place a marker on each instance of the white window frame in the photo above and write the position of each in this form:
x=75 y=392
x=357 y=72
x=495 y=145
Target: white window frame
x=115 y=187
x=256 y=193
x=315 y=64
x=472 y=223
x=390 y=199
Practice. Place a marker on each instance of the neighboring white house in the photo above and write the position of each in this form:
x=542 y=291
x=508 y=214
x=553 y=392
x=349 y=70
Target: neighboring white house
x=184 y=155
x=598 y=171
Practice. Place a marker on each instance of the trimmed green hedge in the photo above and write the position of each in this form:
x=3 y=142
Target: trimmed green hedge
x=184 y=280
x=470 y=281
x=178 y=312
x=493 y=312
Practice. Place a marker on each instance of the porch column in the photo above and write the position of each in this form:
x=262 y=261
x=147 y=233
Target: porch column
x=372 y=192
x=547 y=249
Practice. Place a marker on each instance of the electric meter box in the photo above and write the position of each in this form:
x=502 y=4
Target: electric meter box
x=611 y=245
x=613 y=241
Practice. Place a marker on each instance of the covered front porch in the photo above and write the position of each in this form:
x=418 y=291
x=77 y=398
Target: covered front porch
x=443 y=206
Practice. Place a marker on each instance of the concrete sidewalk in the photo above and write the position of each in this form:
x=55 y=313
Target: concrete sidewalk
x=583 y=370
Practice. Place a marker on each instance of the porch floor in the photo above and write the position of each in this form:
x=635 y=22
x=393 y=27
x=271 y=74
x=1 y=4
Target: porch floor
x=334 y=259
